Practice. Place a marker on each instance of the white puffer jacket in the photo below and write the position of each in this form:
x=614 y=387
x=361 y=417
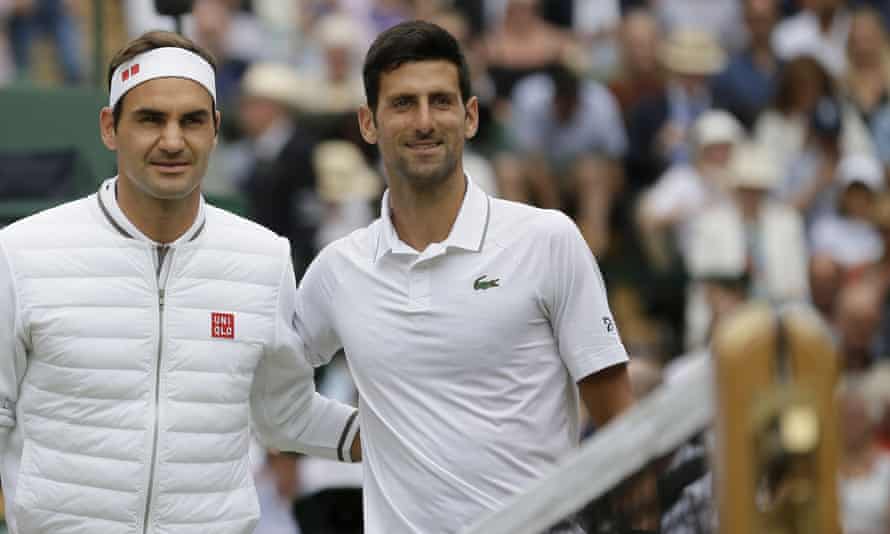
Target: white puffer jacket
x=127 y=383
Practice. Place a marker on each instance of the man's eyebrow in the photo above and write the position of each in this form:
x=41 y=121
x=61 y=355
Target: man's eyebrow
x=149 y=112
x=197 y=114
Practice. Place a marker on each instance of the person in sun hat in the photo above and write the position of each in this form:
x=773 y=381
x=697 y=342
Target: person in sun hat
x=658 y=130
x=685 y=190
x=848 y=237
x=143 y=332
x=280 y=180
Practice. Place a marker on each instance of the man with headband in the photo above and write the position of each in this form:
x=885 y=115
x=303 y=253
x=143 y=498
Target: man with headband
x=141 y=329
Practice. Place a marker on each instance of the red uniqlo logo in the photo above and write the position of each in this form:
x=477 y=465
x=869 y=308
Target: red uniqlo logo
x=222 y=325
x=132 y=71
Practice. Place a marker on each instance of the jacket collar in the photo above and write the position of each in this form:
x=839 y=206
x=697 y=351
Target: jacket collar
x=467 y=233
x=107 y=198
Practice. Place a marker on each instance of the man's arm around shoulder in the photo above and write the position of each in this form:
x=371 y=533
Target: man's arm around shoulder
x=287 y=413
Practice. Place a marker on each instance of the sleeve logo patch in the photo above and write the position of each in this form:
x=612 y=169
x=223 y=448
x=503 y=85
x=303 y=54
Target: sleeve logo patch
x=222 y=325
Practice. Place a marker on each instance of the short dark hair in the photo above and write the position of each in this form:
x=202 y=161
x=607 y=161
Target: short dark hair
x=149 y=41
x=409 y=42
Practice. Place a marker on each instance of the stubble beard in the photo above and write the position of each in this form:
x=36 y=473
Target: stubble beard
x=430 y=178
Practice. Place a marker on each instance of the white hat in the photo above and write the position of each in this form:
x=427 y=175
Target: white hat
x=753 y=167
x=274 y=81
x=716 y=126
x=692 y=52
x=863 y=169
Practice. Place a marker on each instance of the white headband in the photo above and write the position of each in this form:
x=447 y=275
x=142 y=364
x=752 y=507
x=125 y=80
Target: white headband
x=167 y=62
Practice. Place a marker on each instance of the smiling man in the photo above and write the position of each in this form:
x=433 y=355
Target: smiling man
x=470 y=324
x=141 y=329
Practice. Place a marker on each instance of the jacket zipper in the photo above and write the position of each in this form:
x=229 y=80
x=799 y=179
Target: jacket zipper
x=162 y=283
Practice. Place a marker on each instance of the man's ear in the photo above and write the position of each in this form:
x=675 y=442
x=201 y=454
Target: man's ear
x=367 y=124
x=472 y=123
x=217 y=116
x=106 y=128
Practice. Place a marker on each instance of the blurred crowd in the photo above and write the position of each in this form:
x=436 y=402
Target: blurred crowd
x=710 y=151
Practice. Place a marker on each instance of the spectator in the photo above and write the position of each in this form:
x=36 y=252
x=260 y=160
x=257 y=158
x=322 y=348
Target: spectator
x=820 y=29
x=52 y=17
x=570 y=136
x=752 y=237
x=522 y=43
x=831 y=132
x=280 y=180
x=864 y=468
x=687 y=190
x=639 y=75
x=784 y=127
x=856 y=319
x=848 y=237
x=749 y=80
x=658 y=132
x=867 y=82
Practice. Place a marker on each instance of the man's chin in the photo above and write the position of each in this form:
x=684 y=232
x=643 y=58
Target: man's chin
x=173 y=188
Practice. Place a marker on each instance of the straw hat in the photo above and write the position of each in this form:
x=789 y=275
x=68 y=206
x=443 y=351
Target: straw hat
x=753 y=167
x=274 y=81
x=692 y=52
x=343 y=173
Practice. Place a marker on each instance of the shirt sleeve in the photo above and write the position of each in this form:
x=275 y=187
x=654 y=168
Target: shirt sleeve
x=12 y=345
x=287 y=412
x=585 y=330
x=312 y=318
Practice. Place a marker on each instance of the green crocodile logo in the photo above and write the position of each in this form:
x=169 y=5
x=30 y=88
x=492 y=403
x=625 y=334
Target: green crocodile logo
x=481 y=283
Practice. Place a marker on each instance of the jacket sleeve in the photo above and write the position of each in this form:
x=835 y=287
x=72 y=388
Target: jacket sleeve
x=287 y=412
x=12 y=347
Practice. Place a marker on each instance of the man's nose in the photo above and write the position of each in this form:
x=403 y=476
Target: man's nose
x=424 y=117
x=172 y=138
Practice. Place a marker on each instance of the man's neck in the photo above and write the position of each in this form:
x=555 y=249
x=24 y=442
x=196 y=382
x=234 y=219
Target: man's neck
x=426 y=216
x=162 y=221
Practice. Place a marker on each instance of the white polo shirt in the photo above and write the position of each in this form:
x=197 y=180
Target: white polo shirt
x=465 y=355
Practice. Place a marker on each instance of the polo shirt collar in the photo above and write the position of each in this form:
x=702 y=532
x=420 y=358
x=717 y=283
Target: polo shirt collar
x=107 y=198
x=467 y=233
